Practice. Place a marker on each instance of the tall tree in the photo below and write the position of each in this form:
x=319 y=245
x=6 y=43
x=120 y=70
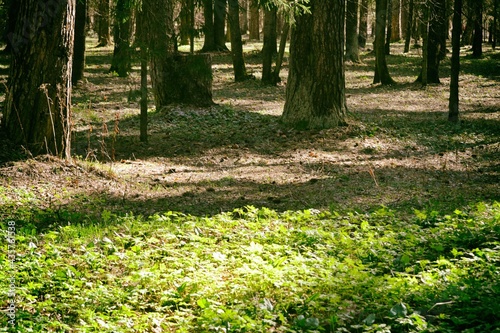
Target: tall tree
x=79 y=44
x=351 y=31
x=477 y=40
x=434 y=37
x=37 y=104
x=122 y=53
x=219 y=25
x=240 y=73
x=388 y=38
x=208 y=26
x=103 y=25
x=269 y=46
x=453 y=106
x=363 y=23
x=315 y=92
x=254 y=22
x=396 y=21
x=409 y=26
x=381 y=70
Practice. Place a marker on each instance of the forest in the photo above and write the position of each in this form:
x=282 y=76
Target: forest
x=249 y=166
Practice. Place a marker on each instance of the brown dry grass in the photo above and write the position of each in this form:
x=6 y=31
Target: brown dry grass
x=398 y=150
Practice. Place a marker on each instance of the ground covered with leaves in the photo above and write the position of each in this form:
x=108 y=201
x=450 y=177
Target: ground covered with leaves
x=389 y=224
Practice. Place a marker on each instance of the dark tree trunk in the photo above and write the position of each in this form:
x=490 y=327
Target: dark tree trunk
x=436 y=34
x=185 y=26
x=477 y=41
x=208 y=26
x=453 y=106
x=381 y=70
x=12 y=12
x=121 y=62
x=389 y=28
x=240 y=73
x=396 y=17
x=496 y=5
x=315 y=93
x=142 y=27
x=79 y=44
x=254 y=24
x=37 y=105
x=281 y=52
x=269 y=47
x=103 y=31
x=363 y=23
x=244 y=17
x=468 y=8
x=409 y=27
x=351 y=26
x=219 y=25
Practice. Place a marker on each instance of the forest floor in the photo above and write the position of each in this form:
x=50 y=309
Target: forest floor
x=398 y=150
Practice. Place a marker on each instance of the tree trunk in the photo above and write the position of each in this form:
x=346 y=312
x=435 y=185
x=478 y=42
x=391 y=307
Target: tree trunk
x=12 y=12
x=477 y=41
x=240 y=73
x=269 y=47
x=185 y=26
x=281 y=52
x=143 y=118
x=254 y=24
x=103 y=33
x=434 y=41
x=381 y=70
x=315 y=93
x=219 y=25
x=363 y=24
x=396 y=17
x=37 y=106
x=496 y=5
x=208 y=27
x=244 y=17
x=121 y=62
x=389 y=28
x=453 y=106
x=409 y=27
x=79 y=44
x=469 y=25
x=351 y=25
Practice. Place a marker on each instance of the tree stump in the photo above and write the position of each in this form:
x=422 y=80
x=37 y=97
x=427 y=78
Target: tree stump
x=194 y=79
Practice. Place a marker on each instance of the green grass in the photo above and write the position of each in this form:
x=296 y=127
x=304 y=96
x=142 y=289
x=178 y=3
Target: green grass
x=257 y=270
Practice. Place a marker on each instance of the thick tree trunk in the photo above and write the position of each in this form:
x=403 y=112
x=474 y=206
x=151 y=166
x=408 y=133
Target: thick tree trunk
x=363 y=23
x=434 y=41
x=381 y=70
x=79 y=45
x=315 y=95
x=219 y=25
x=121 y=62
x=351 y=26
x=453 y=106
x=269 y=47
x=185 y=26
x=103 y=31
x=37 y=106
x=254 y=24
x=240 y=73
x=208 y=27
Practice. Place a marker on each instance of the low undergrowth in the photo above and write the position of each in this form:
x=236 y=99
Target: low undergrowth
x=257 y=270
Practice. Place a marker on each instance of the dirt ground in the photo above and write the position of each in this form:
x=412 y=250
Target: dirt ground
x=398 y=149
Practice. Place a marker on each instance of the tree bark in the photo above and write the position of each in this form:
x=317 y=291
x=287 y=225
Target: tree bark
x=281 y=52
x=79 y=44
x=396 y=18
x=388 y=38
x=38 y=101
x=103 y=31
x=496 y=5
x=12 y=12
x=240 y=73
x=208 y=27
x=363 y=24
x=351 y=38
x=254 y=24
x=143 y=118
x=121 y=62
x=219 y=25
x=381 y=70
x=269 y=47
x=477 y=41
x=409 y=27
x=453 y=106
x=315 y=94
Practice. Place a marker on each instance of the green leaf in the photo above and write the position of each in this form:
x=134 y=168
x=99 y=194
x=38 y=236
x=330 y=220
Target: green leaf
x=399 y=310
